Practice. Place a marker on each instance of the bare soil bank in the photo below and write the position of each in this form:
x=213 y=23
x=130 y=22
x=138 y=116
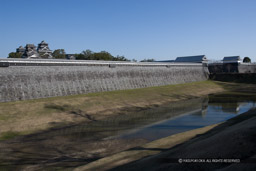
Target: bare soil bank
x=234 y=139
x=25 y=117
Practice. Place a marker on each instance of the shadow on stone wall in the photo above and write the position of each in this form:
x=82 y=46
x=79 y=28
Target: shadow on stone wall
x=249 y=78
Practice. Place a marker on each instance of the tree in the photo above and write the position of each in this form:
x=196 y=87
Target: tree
x=14 y=55
x=148 y=60
x=59 y=54
x=103 y=55
x=88 y=54
x=247 y=60
x=120 y=58
x=80 y=56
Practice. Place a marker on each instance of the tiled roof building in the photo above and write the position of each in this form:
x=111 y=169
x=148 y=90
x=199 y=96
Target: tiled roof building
x=44 y=50
x=31 y=51
x=194 y=59
x=231 y=59
x=20 y=49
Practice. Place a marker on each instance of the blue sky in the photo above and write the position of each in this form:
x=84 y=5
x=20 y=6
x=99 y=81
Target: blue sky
x=159 y=29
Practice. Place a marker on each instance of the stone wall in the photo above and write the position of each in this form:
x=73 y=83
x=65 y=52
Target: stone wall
x=218 y=68
x=49 y=79
x=247 y=68
x=235 y=77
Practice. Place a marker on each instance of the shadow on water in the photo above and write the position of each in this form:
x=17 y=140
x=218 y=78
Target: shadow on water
x=80 y=144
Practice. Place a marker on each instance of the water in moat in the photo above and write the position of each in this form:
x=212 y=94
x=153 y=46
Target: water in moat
x=80 y=144
x=211 y=113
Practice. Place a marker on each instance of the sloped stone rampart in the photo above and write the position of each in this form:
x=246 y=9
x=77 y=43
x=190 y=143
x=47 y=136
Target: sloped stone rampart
x=33 y=81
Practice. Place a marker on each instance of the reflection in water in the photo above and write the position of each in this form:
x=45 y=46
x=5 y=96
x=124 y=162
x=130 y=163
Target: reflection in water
x=232 y=108
x=212 y=111
x=76 y=145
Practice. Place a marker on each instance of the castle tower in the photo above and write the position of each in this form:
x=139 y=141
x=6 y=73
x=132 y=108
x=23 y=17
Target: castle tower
x=30 y=51
x=44 y=50
x=20 y=49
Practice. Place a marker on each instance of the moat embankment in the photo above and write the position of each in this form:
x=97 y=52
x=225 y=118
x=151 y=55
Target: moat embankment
x=86 y=142
x=24 y=117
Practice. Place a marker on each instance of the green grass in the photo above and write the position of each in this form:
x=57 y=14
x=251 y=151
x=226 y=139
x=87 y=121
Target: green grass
x=9 y=135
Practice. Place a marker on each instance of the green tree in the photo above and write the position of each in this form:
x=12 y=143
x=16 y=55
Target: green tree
x=88 y=54
x=247 y=60
x=103 y=55
x=59 y=54
x=14 y=55
x=80 y=56
x=148 y=60
x=120 y=58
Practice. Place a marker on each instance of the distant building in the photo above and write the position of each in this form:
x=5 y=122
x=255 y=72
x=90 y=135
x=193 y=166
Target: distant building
x=166 y=61
x=31 y=51
x=193 y=59
x=232 y=59
x=44 y=50
x=70 y=56
x=20 y=49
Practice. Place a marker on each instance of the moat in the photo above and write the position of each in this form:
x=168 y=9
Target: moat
x=80 y=144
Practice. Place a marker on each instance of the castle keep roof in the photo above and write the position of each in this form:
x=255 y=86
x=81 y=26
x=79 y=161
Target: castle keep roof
x=31 y=51
x=20 y=49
